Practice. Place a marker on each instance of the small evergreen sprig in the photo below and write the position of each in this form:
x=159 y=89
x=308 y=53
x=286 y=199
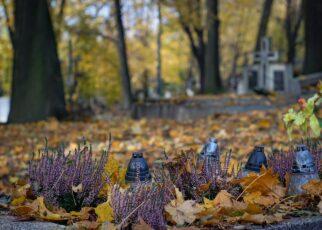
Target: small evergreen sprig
x=68 y=180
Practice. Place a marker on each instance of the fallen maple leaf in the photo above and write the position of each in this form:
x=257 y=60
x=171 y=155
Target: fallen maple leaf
x=226 y=200
x=43 y=213
x=258 y=198
x=313 y=187
x=263 y=189
x=181 y=211
x=141 y=225
x=104 y=212
x=224 y=206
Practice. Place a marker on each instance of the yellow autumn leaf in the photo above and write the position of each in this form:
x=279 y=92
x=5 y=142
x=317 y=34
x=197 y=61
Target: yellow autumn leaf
x=18 y=201
x=223 y=203
x=111 y=166
x=258 y=198
x=104 y=212
x=44 y=213
x=267 y=183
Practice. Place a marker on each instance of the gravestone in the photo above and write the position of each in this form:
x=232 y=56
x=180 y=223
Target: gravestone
x=4 y=109
x=268 y=75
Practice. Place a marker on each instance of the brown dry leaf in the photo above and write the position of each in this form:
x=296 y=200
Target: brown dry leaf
x=261 y=218
x=108 y=226
x=264 y=189
x=43 y=213
x=223 y=206
x=266 y=182
x=188 y=167
x=141 y=225
x=313 y=187
x=203 y=188
x=320 y=205
x=83 y=214
x=180 y=211
x=86 y=224
x=226 y=200
x=184 y=228
x=183 y=213
x=25 y=210
x=258 y=198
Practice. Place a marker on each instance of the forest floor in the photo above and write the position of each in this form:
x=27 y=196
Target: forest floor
x=238 y=132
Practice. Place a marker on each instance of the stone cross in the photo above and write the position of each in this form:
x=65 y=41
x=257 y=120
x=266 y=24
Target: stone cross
x=264 y=57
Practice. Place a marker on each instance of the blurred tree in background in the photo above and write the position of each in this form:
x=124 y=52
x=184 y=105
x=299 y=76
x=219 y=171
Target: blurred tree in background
x=208 y=41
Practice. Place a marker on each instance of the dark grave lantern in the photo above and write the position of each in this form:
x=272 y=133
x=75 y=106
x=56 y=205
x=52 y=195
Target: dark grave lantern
x=303 y=170
x=137 y=170
x=256 y=160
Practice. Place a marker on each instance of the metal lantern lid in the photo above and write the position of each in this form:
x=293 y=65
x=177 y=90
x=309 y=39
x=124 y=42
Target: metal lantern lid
x=256 y=159
x=211 y=149
x=138 y=169
x=209 y=158
x=303 y=161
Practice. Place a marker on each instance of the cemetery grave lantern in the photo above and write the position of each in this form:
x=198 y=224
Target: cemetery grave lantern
x=210 y=157
x=138 y=169
x=303 y=170
x=255 y=161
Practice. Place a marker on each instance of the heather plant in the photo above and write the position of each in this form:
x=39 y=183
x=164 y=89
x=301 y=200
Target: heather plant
x=144 y=202
x=281 y=162
x=69 y=180
x=197 y=178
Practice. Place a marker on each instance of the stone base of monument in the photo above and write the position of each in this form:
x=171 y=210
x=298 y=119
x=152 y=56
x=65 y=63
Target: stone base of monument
x=203 y=106
x=309 y=223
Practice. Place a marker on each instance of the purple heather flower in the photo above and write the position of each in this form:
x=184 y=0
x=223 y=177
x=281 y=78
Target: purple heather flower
x=281 y=162
x=57 y=172
x=207 y=170
x=144 y=201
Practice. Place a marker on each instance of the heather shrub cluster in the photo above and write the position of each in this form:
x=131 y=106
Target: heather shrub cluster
x=197 y=178
x=145 y=201
x=69 y=180
x=281 y=162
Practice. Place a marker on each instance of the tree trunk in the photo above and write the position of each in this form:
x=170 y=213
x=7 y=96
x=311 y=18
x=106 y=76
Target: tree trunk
x=293 y=21
x=212 y=79
x=313 y=36
x=159 y=57
x=266 y=11
x=125 y=72
x=37 y=85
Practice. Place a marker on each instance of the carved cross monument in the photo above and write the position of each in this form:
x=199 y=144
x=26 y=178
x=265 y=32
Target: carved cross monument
x=264 y=57
x=266 y=74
